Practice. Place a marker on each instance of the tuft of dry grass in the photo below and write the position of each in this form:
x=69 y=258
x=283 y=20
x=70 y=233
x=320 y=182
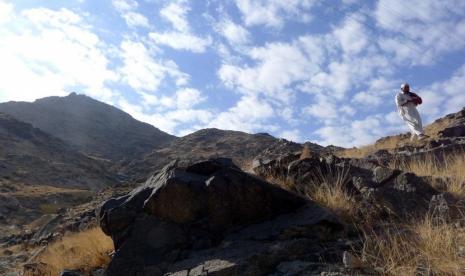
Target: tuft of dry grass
x=419 y=248
x=306 y=152
x=450 y=166
x=328 y=189
x=81 y=251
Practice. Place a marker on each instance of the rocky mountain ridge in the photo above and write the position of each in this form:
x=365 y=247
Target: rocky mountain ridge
x=30 y=156
x=93 y=127
x=241 y=147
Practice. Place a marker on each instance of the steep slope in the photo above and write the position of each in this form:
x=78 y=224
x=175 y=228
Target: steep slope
x=95 y=128
x=241 y=147
x=31 y=156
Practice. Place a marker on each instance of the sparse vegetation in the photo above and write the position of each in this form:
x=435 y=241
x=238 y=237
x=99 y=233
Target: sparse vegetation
x=49 y=208
x=448 y=166
x=82 y=251
x=387 y=143
x=328 y=189
x=306 y=153
x=417 y=248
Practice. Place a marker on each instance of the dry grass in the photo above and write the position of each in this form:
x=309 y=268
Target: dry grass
x=450 y=166
x=387 y=143
x=82 y=251
x=306 y=152
x=329 y=190
x=421 y=248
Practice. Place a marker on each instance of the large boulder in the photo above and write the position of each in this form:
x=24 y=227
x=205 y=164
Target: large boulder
x=210 y=216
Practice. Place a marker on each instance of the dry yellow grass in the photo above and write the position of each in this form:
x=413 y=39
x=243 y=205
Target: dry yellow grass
x=306 y=153
x=450 y=166
x=386 y=143
x=82 y=251
x=421 y=248
x=328 y=190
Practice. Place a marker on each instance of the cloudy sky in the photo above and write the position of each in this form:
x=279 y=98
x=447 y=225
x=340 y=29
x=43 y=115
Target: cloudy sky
x=308 y=70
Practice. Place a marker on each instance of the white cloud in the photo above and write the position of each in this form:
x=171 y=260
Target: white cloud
x=181 y=41
x=249 y=114
x=140 y=70
x=184 y=98
x=277 y=66
x=6 y=11
x=272 y=13
x=134 y=19
x=234 y=33
x=181 y=38
x=176 y=14
x=188 y=97
x=143 y=71
x=170 y=121
x=125 y=5
x=291 y=135
x=377 y=92
x=66 y=55
x=358 y=132
x=444 y=97
x=127 y=9
x=420 y=30
x=352 y=36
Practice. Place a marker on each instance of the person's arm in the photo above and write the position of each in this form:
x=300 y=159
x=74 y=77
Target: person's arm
x=400 y=101
x=408 y=101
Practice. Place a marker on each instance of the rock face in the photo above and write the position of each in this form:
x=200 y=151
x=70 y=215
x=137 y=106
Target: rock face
x=210 y=217
x=31 y=156
x=378 y=189
x=93 y=127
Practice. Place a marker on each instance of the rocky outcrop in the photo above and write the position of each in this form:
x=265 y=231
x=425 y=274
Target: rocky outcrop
x=211 y=218
x=378 y=189
x=241 y=147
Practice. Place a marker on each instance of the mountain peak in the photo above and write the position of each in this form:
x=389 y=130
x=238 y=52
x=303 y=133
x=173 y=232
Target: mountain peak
x=96 y=128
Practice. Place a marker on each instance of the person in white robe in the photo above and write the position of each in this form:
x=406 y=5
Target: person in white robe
x=407 y=109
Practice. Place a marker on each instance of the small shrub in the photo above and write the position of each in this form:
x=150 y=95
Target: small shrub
x=81 y=251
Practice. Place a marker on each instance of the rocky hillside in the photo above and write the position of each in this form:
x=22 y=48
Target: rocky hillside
x=95 y=128
x=444 y=135
x=241 y=147
x=33 y=157
x=288 y=214
x=41 y=175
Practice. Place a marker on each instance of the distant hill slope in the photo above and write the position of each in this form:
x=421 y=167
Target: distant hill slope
x=94 y=127
x=240 y=146
x=31 y=156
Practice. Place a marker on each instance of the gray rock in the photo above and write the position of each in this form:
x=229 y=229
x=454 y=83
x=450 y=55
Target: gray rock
x=68 y=272
x=439 y=209
x=211 y=218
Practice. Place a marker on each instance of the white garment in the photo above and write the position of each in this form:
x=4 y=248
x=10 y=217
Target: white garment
x=409 y=113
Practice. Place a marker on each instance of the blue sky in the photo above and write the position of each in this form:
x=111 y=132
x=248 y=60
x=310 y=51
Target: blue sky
x=309 y=70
